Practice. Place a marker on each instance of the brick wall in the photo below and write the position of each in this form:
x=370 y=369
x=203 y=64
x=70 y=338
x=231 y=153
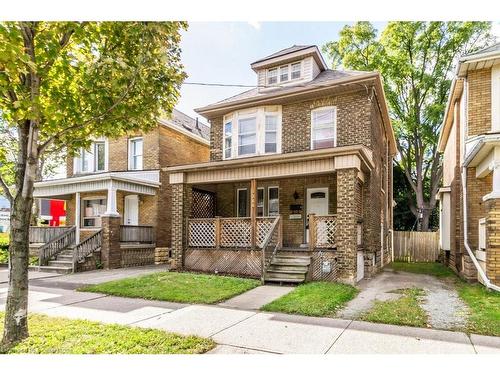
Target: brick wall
x=493 y=242
x=479 y=101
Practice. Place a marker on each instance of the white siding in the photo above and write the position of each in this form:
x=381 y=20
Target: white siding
x=315 y=68
x=445 y=222
x=261 y=77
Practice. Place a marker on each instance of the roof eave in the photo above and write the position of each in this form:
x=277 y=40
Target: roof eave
x=455 y=93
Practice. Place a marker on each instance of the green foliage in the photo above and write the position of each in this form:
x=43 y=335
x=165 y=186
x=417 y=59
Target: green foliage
x=65 y=336
x=314 y=299
x=405 y=310
x=177 y=287
x=434 y=269
x=417 y=61
x=484 y=306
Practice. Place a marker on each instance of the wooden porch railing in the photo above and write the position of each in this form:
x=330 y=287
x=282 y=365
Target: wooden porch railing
x=322 y=231
x=56 y=245
x=87 y=247
x=227 y=232
x=45 y=234
x=271 y=244
x=137 y=233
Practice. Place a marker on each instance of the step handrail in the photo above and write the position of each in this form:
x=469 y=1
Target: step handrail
x=270 y=247
x=56 y=245
x=87 y=247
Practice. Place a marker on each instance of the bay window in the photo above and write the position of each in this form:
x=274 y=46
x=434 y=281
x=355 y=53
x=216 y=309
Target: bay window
x=323 y=128
x=252 y=132
x=135 y=154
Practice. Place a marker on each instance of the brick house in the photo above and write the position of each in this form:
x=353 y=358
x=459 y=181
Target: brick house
x=299 y=182
x=117 y=189
x=470 y=143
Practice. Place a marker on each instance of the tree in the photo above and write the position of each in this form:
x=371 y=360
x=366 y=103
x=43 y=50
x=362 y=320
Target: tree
x=417 y=61
x=62 y=83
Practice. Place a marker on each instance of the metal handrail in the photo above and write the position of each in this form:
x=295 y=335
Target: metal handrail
x=55 y=246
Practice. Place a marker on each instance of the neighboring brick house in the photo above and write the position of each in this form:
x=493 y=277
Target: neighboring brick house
x=119 y=182
x=470 y=143
x=300 y=166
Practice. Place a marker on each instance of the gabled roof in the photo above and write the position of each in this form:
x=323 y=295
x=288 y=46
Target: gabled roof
x=493 y=48
x=188 y=124
x=289 y=54
x=482 y=59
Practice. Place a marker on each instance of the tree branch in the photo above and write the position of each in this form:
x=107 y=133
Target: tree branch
x=6 y=191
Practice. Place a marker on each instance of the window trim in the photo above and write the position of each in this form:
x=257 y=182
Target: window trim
x=260 y=114
x=238 y=202
x=289 y=73
x=82 y=211
x=268 y=76
x=96 y=158
x=238 y=134
x=261 y=188
x=78 y=160
x=130 y=155
x=268 y=199
x=334 y=108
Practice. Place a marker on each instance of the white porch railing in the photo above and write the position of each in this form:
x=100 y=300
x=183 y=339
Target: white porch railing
x=227 y=232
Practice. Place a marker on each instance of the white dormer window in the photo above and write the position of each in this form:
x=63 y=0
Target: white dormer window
x=252 y=132
x=93 y=159
x=272 y=76
x=323 y=128
x=284 y=73
x=296 y=69
x=135 y=153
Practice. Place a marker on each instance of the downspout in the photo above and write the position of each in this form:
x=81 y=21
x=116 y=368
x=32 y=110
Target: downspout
x=482 y=274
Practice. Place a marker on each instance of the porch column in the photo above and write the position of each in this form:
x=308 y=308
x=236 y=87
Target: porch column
x=348 y=208
x=111 y=202
x=253 y=212
x=111 y=252
x=77 y=217
x=181 y=208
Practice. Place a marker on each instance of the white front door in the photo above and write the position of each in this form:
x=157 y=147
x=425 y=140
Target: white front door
x=131 y=216
x=317 y=203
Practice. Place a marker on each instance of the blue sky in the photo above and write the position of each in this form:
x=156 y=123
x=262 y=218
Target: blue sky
x=221 y=52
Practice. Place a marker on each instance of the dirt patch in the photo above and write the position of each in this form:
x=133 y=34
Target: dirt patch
x=441 y=303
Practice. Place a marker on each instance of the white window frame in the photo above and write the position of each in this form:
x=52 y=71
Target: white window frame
x=238 y=134
x=238 y=202
x=260 y=114
x=78 y=161
x=82 y=213
x=131 y=156
x=268 y=200
x=334 y=108
x=263 y=201
x=277 y=69
x=96 y=158
x=287 y=68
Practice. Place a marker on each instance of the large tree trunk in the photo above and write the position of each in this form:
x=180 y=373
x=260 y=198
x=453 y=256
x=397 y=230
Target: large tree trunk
x=16 y=310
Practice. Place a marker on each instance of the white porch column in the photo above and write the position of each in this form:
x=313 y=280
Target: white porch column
x=77 y=217
x=111 y=202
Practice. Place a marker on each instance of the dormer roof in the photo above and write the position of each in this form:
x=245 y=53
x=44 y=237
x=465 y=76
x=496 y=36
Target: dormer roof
x=290 y=54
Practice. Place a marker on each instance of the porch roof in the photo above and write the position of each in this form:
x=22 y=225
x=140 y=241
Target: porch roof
x=140 y=182
x=275 y=166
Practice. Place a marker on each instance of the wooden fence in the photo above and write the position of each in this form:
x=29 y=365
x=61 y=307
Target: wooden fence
x=416 y=246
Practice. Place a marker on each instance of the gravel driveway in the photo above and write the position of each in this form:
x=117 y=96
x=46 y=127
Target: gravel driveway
x=442 y=303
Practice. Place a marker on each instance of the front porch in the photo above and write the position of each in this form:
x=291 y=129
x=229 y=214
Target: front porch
x=295 y=218
x=111 y=211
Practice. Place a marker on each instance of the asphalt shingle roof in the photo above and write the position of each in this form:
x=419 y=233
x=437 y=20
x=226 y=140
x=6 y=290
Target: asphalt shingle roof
x=190 y=124
x=283 y=52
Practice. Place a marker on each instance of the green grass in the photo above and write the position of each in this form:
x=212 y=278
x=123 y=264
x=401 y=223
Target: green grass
x=405 y=310
x=4 y=258
x=66 y=336
x=434 y=269
x=484 y=306
x=314 y=299
x=177 y=287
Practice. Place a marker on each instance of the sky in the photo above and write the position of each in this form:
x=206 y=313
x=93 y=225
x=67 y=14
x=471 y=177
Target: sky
x=221 y=52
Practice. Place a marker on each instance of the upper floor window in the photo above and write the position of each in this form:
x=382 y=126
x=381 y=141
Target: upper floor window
x=323 y=128
x=92 y=159
x=252 y=132
x=288 y=72
x=272 y=76
x=135 y=153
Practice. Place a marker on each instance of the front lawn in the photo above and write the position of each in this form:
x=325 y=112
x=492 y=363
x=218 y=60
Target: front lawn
x=484 y=306
x=405 y=310
x=314 y=299
x=434 y=269
x=65 y=336
x=177 y=287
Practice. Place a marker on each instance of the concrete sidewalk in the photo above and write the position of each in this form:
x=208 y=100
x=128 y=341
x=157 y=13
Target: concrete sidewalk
x=250 y=331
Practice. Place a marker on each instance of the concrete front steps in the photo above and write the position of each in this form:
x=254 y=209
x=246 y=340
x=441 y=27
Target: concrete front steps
x=62 y=264
x=288 y=268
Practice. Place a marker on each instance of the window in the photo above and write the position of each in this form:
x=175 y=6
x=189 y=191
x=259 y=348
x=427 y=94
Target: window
x=92 y=209
x=296 y=68
x=247 y=136
x=251 y=132
x=323 y=128
x=228 y=139
x=242 y=202
x=86 y=160
x=135 y=153
x=272 y=76
x=100 y=156
x=273 y=204
x=260 y=202
x=284 y=73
